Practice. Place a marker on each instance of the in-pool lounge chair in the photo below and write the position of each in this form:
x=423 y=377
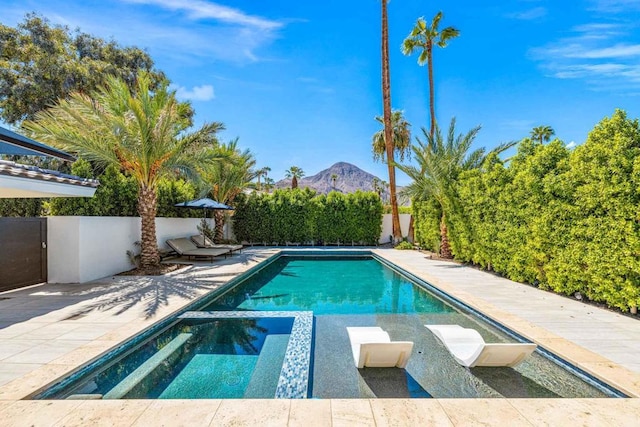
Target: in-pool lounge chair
x=372 y=347
x=204 y=242
x=469 y=349
x=185 y=247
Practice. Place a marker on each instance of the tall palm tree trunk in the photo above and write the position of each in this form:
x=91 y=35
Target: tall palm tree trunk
x=388 y=130
x=147 y=207
x=445 y=247
x=432 y=103
x=218 y=236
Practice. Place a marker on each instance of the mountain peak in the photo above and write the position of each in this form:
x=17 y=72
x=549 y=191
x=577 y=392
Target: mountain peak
x=349 y=179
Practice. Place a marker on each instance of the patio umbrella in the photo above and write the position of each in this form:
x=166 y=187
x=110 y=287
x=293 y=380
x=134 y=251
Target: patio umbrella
x=204 y=203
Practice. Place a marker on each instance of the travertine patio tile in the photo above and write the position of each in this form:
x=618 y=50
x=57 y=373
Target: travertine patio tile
x=34 y=380
x=49 y=332
x=17 y=329
x=11 y=371
x=88 y=331
x=105 y=413
x=178 y=413
x=45 y=352
x=482 y=412
x=43 y=413
x=252 y=412
x=615 y=375
x=574 y=412
x=348 y=413
x=85 y=353
x=409 y=412
x=310 y=413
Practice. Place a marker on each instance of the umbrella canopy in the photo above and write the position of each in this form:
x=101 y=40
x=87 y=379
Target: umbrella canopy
x=204 y=203
x=16 y=144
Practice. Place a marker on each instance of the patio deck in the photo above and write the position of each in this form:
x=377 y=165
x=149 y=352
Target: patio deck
x=47 y=331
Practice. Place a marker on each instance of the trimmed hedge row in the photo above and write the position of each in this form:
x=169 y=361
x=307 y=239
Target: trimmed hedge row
x=561 y=219
x=302 y=217
x=117 y=195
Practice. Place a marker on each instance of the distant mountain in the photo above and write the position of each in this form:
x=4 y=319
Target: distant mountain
x=350 y=178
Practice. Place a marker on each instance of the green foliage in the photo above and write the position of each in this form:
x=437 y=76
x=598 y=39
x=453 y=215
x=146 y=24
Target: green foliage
x=403 y=246
x=40 y=63
x=401 y=209
x=426 y=218
x=117 y=195
x=565 y=220
x=21 y=207
x=301 y=216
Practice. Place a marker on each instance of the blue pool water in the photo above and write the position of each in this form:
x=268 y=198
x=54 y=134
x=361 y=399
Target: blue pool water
x=240 y=342
x=329 y=286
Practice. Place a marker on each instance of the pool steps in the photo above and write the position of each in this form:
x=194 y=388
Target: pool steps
x=134 y=378
x=267 y=371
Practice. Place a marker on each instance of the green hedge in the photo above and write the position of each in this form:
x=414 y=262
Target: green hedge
x=117 y=195
x=562 y=219
x=302 y=217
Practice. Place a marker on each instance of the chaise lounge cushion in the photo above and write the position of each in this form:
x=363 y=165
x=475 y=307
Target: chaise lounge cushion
x=204 y=242
x=185 y=247
x=372 y=347
x=469 y=349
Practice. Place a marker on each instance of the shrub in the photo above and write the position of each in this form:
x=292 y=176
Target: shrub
x=301 y=216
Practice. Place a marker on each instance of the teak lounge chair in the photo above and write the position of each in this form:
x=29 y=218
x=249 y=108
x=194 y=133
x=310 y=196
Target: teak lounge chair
x=185 y=247
x=204 y=242
x=372 y=347
x=469 y=349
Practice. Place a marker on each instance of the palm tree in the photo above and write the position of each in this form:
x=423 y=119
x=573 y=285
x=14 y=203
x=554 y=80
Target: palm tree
x=262 y=172
x=401 y=137
x=141 y=132
x=424 y=37
x=542 y=133
x=334 y=178
x=225 y=180
x=268 y=184
x=440 y=163
x=294 y=172
x=388 y=128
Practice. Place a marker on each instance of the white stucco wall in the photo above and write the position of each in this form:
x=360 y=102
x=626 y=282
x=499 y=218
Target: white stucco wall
x=81 y=249
x=387 y=226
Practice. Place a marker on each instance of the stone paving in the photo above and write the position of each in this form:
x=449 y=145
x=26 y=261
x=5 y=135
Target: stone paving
x=47 y=331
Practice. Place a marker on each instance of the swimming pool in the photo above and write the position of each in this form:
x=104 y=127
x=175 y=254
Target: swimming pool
x=280 y=331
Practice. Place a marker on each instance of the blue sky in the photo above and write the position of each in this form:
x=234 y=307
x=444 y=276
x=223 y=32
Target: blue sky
x=299 y=82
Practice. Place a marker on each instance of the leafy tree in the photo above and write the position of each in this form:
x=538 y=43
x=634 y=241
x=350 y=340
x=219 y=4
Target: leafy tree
x=294 y=172
x=425 y=37
x=144 y=133
x=542 y=133
x=41 y=63
x=440 y=162
x=388 y=125
x=226 y=179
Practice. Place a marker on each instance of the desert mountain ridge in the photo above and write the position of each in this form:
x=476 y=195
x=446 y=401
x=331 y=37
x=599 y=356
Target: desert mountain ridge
x=349 y=179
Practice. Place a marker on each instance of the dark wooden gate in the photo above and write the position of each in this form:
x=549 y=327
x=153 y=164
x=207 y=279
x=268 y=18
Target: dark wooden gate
x=23 y=252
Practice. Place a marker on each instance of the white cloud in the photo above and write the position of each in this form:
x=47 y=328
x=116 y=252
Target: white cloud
x=197 y=93
x=598 y=53
x=200 y=9
x=572 y=144
x=614 y=6
x=528 y=15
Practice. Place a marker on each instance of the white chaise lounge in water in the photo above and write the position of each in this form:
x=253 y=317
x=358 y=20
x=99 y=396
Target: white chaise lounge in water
x=469 y=349
x=372 y=347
